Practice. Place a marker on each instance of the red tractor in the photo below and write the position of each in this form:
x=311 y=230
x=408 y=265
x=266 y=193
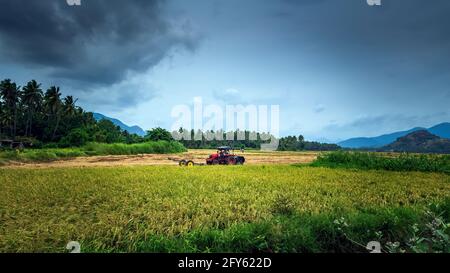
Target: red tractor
x=224 y=156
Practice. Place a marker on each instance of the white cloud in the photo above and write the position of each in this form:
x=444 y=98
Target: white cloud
x=319 y=108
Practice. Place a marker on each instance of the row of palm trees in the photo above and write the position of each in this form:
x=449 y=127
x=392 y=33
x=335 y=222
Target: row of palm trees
x=22 y=107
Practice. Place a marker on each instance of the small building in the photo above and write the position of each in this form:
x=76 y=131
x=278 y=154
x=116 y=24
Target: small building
x=10 y=144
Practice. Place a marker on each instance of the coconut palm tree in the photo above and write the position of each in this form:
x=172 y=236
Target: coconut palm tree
x=32 y=101
x=70 y=108
x=2 y=117
x=52 y=100
x=10 y=94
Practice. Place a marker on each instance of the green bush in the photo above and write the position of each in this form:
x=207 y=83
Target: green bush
x=50 y=145
x=376 y=161
x=39 y=156
x=91 y=149
x=159 y=147
x=76 y=138
x=158 y=134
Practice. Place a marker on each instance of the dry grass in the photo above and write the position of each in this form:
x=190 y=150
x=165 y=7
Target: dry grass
x=199 y=156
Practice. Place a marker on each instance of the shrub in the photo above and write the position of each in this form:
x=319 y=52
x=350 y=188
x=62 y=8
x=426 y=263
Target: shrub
x=91 y=149
x=403 y=162
x=76 y=138
x=159 y=147
x=39 y=156
x=158 y=134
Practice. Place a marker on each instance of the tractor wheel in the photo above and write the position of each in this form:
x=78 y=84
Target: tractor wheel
x=215 y=162
x=182 y=163
x=240 y=160
x=190 y=163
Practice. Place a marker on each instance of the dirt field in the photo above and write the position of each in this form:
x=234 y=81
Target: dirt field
x=198 y=156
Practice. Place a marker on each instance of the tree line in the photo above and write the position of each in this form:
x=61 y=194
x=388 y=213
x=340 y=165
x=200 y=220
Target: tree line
x=213 y=139
x=293 y=143
x=252 y=140
x=37 y=117
x=47 y=119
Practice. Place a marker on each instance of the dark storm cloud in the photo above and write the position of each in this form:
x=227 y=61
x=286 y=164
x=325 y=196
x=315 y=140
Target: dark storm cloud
x=96 y=43
x=398 y=52
x=402 y=37
x=119 y=96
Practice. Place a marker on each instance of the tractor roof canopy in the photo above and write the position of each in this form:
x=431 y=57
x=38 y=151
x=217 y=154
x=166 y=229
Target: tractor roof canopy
x=224 y=148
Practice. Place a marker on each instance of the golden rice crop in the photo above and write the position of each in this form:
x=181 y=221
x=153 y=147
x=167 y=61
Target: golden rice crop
x=113 y=209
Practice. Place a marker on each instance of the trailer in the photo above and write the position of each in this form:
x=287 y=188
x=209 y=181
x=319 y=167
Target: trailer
x=185 y=162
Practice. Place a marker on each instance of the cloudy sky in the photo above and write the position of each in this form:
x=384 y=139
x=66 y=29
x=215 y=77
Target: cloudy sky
x=337 y=68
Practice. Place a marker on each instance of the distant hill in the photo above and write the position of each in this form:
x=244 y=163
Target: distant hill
x=420 y=142
x=442 y=130
x=375 y=142
x=131 y=129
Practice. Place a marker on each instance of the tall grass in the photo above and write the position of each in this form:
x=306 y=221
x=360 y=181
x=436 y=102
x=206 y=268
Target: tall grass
x=91 y=149
x=160 y=147
x=303 y=233
x=376 y=161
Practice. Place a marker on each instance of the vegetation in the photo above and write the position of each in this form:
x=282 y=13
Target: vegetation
x=247 y=209
x=252 y=140
x=378 y=161
x=155 y=147
x=277 y=208
x=36 y=118
x=293 y=143
x=211 y=139
x=91 y=149
x=158 y=134
x=45 y=121
x=420 y=141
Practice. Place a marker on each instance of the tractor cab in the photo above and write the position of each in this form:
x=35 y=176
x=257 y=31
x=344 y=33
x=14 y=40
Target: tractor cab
x=224 y=151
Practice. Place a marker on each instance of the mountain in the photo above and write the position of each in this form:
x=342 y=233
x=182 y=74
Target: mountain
x=375 y=142
x=442 y=130
x=419 y=142
x=131 y=129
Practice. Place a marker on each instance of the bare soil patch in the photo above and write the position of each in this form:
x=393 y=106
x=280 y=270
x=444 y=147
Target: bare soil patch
x=198 y=156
